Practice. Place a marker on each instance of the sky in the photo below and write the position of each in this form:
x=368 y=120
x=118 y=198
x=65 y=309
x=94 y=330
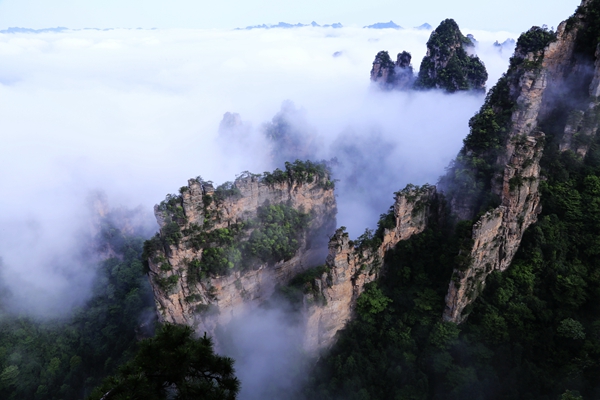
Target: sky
x=510 y=15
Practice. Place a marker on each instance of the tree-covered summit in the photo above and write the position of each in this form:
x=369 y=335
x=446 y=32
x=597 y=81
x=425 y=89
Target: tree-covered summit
x=447 y=64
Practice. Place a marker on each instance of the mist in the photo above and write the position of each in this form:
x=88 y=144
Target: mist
x=135 y=113
x=266 y=345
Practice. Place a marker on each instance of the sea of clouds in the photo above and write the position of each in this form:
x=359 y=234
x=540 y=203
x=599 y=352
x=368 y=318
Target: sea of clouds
x=135 y=113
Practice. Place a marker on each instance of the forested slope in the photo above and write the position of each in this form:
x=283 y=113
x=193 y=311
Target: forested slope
x=67 y=358
x=528 y=331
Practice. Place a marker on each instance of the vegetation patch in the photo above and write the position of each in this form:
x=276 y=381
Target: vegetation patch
x=535 y=39
x=278 y=235
x=533 y=332
x=275 y=236
x=469 y=177
x=226 y=190
x=305 y=284
x=300 y=172
x=460 y=72
x=54 y=359
x=588 y=36
x=172 y=207
x=397 y=335
x=173 y=364
x=167 y=284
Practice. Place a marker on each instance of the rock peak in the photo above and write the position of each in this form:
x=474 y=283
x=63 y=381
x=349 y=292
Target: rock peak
x=447 y=64
x=388 y=75
x=222 y=250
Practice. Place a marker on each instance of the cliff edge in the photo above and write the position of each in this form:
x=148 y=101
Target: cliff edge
x=329 y=304
x=551 y=87
x=220 y=251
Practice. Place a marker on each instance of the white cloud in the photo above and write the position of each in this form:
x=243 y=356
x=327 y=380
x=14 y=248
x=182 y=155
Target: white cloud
x=136 y=113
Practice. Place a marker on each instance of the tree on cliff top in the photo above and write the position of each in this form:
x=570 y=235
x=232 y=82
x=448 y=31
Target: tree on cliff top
x=173 y=365
x=447 y=65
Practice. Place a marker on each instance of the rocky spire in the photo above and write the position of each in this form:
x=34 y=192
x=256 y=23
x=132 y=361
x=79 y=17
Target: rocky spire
x=448 y=65
x=389 y=75
x=545 y=102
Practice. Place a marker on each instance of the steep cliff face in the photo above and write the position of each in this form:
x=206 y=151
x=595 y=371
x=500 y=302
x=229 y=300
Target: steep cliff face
x=351 y=265
x=544 y=69
x=536 y=321
x=222 y=250
x=497 y=234
x=573 y=70
x=210 y=261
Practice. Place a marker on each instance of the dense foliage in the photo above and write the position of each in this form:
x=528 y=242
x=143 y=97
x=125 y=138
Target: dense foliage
x=384 y=353
x=221 y=250
x=535 y=39
x=447 y=65
x=468 y=179
x=225 y=191
x=489 y=127
x=275 y=236
x=471 y=174
x=385 y=64
x=300 y=172
x=589 y=36
x=173 y=365
x=171 y=206
x=172 y=211
x=65 y=359
x=270 y=237
x=533 y=333
x=303 y=284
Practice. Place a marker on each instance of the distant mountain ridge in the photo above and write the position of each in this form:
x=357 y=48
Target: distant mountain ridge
x=425 y=26
x=384 y=25
x=15 y=29
x=378 y=25
x=280 y=25
x=285 y=25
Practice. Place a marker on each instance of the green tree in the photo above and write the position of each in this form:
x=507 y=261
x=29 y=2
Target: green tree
x=173 y=365
x=569 y=395
x=447 y=64
x=372 y=302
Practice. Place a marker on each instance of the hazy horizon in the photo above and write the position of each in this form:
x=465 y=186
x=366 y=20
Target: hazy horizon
x=510 y=15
